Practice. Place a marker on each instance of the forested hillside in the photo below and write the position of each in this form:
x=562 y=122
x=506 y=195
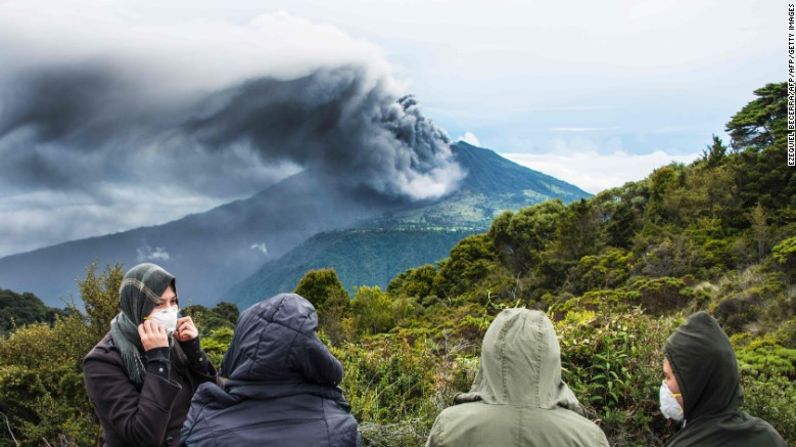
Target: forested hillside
x=616 y=273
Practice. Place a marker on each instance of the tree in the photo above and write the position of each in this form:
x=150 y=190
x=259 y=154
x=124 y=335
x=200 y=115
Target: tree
x=18 y=310
x=622 y=210
x=518 y=238
x=577 y=231
x=376 y=312
x=41 y=384
x=714 y=154
x=323 y=289
x=417 y=282
x=760 y=231
x=763 y=121
x=101 y=296
x=784 y=254
x=470 y=261
x=373 y=310
x=227 y=311
x=224 y=315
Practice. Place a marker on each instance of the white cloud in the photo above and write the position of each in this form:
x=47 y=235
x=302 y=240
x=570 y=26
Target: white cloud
x=147 y=253
x=37 y=219
x=261 y=247
x=575 y=129
x=186 y=54
x=470 y=138
x=595 y=172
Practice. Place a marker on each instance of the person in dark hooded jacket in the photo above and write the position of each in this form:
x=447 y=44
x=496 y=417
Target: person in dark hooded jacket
x=142 y=374
x=280 y=385
x=701 y=390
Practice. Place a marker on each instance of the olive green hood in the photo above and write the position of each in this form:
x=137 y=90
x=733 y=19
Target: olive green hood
x=521 y=364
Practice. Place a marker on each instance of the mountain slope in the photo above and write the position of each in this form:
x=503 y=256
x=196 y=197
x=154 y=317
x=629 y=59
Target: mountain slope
x=382 y=247
x=210 y=252
x=360 y=257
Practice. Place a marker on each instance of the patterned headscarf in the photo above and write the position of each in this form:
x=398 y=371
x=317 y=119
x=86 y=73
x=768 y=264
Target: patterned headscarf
x=139 y=293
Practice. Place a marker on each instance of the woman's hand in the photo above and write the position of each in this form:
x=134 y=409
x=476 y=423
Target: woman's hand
x=186 y=330
x=153 y=335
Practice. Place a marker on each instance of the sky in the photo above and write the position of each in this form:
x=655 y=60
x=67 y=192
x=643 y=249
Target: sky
x=594 y=93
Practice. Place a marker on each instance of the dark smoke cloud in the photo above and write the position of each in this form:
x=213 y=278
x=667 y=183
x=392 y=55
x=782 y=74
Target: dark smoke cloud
x=69 y=127
x=339 y=122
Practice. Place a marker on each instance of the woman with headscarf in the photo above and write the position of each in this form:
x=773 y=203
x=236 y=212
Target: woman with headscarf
x=142 y=374
x=518 y=398
x=280 y=385
x=701 y=390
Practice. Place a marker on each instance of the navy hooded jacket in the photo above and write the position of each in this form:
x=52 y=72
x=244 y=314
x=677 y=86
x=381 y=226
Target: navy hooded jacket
x=281 y=385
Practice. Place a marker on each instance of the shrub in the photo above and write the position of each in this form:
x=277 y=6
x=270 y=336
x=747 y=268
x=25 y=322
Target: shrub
x=784 y=254
x=41 y=384
x=774 y=400
x=660 y=295
x=216 y=344
x=417 y=283
x=375 y=311
x=766 y=357
x=324 y=290
x=607 y=270
x=388 y=381
x=613 y=364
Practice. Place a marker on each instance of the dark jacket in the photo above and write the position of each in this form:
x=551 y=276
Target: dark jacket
x=704 y=365
x=281 y=387
x=152 y=414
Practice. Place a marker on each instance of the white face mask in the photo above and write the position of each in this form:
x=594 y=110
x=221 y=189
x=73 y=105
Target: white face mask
x=166 y=317
x=669 y=405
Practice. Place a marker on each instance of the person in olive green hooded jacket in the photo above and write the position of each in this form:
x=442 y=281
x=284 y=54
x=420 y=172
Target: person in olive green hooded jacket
x=518 y=397
x=706 y=385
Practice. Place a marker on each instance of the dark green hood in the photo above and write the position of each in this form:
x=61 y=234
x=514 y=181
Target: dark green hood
x=705 y=367
x=704 y=364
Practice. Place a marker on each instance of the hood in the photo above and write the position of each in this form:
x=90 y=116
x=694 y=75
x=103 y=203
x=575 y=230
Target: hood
x=704 y=365
x=275 y=343
x=233 y=392
x=521 y=364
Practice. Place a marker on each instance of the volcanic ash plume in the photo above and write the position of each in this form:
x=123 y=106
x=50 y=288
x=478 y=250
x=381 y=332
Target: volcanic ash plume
x=339 y=122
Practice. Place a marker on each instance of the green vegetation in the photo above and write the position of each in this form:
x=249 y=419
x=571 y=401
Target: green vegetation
x=616 y=273
x=17 y=310
x=359 y=256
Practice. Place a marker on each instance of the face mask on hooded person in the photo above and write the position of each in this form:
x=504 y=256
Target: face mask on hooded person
x=166 y=317
x=166 y=313
x=669 y=405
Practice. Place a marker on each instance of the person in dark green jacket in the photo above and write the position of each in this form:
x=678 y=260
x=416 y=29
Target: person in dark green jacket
x=701 y=376
x=518 y=398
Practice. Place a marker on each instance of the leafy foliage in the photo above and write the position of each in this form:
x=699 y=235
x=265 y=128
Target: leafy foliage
x=18 y=310
x=323 y=289
x=761 y=122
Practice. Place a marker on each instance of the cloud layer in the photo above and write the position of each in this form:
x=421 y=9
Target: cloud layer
x=594 y=172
